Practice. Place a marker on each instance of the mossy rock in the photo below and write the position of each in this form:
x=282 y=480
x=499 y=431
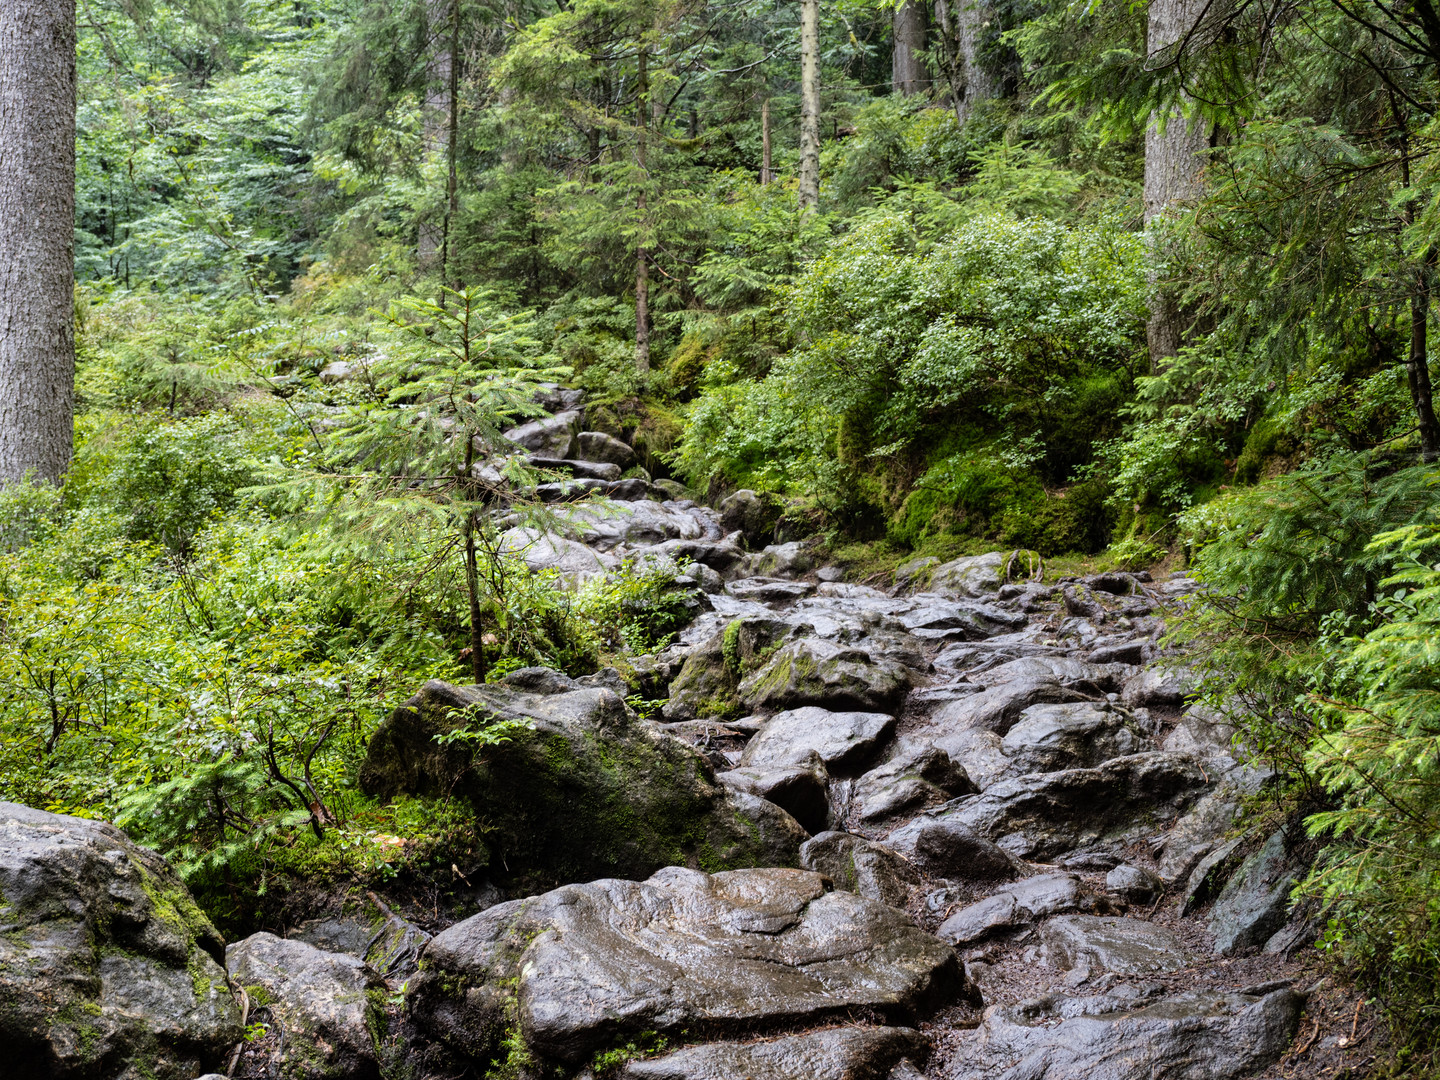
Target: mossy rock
x=107 y=968
x=588 y=790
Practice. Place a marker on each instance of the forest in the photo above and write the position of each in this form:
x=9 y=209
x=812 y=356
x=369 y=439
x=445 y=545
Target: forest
x=378 y=316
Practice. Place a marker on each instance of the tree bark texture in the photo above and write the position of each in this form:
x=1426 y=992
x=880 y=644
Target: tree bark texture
x=1417 y=372
x=962 y=24
x=452 y=145
x=436 y=117
x=37 y=221
x=765 y=176
x=907 y=73
x=809 y=179
x=642 y=261
x=1174 y=164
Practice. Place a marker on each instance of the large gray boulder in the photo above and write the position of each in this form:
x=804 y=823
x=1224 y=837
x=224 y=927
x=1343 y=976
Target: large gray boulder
x=814 y=671
x=1254 y=902
x=916 y=776
x=800 y=788
x=1204 y=1035
x=841 y=739
x=1092 y=678
x=639 y=523
x=598 y=446
x=107 y=967
x=1096 y=943
x=838 y=1053
x=782 y=560
x=855 y=865
x=979 y=576
x=1050 y=738
x=550 y=436
x=585 y=470
x=997 y=708
x=330 y=1005
x=571 y=559
x=1158 y=686
x=582 y=968
x=1017 y=906
x=752 y=516
x=370 y=932
x=582 y=788
x=945 y=847
x=1198 y=832
x=1044 y=815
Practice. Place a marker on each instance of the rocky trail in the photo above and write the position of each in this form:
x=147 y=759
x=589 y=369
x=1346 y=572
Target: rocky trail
x=961 y=827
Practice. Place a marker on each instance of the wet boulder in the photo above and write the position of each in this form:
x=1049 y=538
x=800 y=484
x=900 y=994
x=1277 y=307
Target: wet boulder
x=329 y=1005
x=107 y=967
x=856 y=865
x=978 y=575
x=769 y=590
x=800 y=788
x=752 y=516
x=1158 y=686
x=1093 y=679
x=997 y=707
x=1080 y=735
x=1198 y=832
x=550 y=436
x=840 y=739
x=584 y=967
x=1204 y=1035
x=1133 y=884
x=1044 y=815
x=1017 y=906
x=782 y=560
x=597 y=446
x=1096 y=943
x=944 y=847
x=916 y=776
x=542 y=551
x=584 y=470
x=837 y=1053
x=1255 y=900
x=815 y=671
x=582 y=787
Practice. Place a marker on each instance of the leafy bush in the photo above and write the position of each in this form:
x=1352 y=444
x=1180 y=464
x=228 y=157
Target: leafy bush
x=1378 y=756
x=1010 y=340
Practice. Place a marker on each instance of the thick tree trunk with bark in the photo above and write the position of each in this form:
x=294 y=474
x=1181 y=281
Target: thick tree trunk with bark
x=809 y=179
x=1174 y=163
x=1417 y=373
x=37 y=222
x=642 y=255
x=452 y=147
x=765 y=176
x=961 y=23
x=907 y=74
x=436 y=118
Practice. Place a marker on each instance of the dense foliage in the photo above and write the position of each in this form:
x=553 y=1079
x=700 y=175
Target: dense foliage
x=317 y=239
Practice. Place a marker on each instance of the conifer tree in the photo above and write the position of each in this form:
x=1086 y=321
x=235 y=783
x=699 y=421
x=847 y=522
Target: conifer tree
x=37 y=211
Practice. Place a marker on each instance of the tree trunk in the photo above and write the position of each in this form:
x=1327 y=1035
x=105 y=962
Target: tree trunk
x=907 y=74
x=962 y=23
x=472 y=563
x=1417 y=373
x=1174 y=162
x=642 y=261
x=809 y=180
x=436 y=120
x=452 y=149
x=765 y=175
x=37 y=222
